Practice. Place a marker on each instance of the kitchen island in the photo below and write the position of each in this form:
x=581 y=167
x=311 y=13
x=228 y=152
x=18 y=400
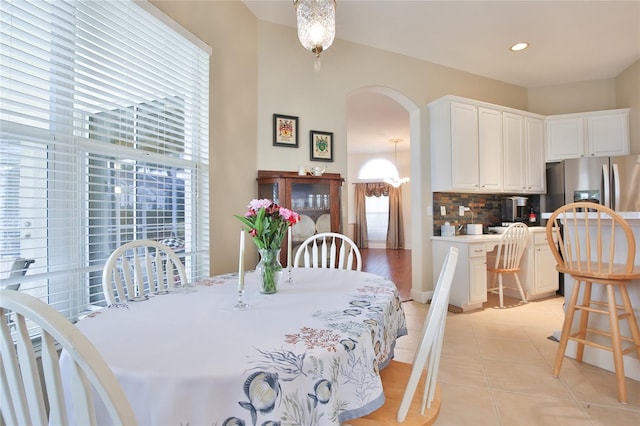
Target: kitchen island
x=469 y=290
x=599 y=357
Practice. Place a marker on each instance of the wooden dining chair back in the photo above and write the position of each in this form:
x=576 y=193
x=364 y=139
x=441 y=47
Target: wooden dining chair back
x=401 y=381
x=596 y=246
x=31 y=391
x=328 y=250
x=139 y=268
x=507 y=261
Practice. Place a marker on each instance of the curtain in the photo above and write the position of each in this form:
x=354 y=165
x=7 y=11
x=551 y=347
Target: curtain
x=361 y=238
x=395 y=228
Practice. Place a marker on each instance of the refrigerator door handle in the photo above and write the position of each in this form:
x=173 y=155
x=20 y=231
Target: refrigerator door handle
x=605 y=186
x=615 y=200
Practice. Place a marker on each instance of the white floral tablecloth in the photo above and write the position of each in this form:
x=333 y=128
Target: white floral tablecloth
x=307 y=355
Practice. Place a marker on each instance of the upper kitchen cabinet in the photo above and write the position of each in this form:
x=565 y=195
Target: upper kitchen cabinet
x=524 y=166
x=588 y=134
x=485 y=148
x=490 y=149
x=466 y=147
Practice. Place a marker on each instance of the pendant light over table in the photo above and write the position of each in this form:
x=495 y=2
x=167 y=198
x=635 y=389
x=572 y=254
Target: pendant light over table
x=316 y=20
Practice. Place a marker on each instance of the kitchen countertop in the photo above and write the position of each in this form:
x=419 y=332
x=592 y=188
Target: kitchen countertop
x=481 y=238
x=624 y=215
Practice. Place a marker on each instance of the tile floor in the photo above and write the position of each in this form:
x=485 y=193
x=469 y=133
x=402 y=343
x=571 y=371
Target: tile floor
x=495 y=369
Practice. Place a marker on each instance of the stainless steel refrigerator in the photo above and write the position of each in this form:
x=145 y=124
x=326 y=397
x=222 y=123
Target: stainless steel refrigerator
x=612 y=181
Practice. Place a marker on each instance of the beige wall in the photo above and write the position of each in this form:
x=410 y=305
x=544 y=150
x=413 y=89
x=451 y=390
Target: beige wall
x=575 y=97
x=231 y=30
x=288 y=84
x=628 y=96
x=259 y=68
x=620 y=92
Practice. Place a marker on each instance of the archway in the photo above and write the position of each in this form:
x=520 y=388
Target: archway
x=417 y=217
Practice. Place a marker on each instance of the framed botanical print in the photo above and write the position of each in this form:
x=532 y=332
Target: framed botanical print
x=285 y=130
x=321 y=146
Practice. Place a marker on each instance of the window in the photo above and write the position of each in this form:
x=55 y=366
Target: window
x=103 y=139
x=377 y=207
x=377 y=169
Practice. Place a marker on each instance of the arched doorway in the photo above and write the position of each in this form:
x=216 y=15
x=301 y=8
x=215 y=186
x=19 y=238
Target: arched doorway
x=378 y=98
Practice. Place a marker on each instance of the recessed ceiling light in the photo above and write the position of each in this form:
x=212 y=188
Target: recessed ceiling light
x=519 y=46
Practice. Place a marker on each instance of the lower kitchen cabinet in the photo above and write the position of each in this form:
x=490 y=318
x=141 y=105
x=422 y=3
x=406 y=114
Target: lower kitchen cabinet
x=545 y=275
x=538 y=273
x=469 y=289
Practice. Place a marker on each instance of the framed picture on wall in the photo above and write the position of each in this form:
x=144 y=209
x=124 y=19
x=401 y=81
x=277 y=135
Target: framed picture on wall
x=321 y=146
x=285 y=130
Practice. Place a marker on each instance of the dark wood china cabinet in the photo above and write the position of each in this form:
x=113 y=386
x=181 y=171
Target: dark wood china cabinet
x=316 y=198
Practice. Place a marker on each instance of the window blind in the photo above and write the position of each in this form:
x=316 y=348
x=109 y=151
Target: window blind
x=103 y=139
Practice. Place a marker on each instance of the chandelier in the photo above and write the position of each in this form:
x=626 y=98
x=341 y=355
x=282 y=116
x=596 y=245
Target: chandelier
x=396 y=180
x=316 y=24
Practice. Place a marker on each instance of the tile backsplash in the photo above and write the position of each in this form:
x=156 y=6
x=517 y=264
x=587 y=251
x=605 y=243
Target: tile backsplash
x=486 y=209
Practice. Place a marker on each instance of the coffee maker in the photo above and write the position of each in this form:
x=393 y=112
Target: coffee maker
x=515 y=209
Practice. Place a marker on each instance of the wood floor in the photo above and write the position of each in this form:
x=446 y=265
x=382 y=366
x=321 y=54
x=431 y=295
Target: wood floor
x=392 y=264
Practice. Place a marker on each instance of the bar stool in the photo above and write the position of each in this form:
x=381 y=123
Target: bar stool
x=596 y=246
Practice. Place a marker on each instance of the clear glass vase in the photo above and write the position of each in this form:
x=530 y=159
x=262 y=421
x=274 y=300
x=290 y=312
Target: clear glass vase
x=269 y=270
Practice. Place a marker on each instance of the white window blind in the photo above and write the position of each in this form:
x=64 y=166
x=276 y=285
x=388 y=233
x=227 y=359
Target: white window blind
x=103 y=140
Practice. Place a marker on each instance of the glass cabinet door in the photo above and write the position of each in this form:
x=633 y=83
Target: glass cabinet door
x=313 y=202
x=273 y=189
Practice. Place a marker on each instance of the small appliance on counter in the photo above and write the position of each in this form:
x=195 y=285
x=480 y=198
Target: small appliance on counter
x=515 y=209
x=448 y=230
x=474 y=229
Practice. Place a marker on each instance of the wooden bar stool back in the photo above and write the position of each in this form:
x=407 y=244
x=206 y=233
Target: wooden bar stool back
x=596 y=246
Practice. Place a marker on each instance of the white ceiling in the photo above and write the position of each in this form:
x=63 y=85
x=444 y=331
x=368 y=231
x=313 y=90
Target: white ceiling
x=571 y=41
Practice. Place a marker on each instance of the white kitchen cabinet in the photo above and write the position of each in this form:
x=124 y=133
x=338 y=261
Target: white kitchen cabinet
x=514 y=157
x=535 y=155
x=490 y=149
x=477 y=273
x=524 y=166
x=485 y=148
x=545 y=275
x=454 y=147
x=464 y=146
x=469 y=288
x=589 y=134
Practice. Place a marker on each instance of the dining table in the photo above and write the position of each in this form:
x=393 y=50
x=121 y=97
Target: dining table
x=310 y=354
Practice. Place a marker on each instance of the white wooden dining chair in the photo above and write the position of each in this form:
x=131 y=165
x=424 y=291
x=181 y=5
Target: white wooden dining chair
x=507 y=260
x=329 y=250
x=31 y=392
x=139 y=268
x=400 y=380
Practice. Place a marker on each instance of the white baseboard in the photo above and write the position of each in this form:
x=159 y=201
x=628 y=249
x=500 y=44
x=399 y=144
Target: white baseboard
x=421 y=296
